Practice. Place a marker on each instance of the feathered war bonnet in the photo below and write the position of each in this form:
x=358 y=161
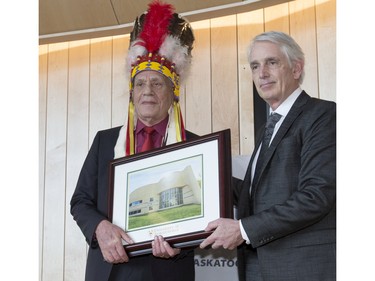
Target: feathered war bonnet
x=160 y=41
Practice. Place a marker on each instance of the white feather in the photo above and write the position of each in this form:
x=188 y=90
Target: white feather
x=171 y=49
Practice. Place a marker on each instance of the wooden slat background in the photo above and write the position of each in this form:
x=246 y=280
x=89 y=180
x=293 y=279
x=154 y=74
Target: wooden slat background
x=83 y=88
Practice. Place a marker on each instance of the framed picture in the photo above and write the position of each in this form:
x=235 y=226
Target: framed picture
x=173 y=191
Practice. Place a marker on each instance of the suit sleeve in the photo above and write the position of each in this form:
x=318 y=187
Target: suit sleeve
x=84 y=200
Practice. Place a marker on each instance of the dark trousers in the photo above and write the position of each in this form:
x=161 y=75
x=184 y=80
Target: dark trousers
x=252 y=268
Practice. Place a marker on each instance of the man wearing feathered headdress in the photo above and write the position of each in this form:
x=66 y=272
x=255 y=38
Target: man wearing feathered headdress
x=158 y=60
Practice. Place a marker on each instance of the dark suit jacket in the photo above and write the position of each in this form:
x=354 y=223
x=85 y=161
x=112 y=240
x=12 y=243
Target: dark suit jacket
x=89 y=206
x=290 y=217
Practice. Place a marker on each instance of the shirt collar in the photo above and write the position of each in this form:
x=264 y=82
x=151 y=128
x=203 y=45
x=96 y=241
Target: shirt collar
x=160 y=127
x=284 y=108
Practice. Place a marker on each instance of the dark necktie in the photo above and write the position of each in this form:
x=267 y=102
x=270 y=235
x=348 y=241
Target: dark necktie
x=270 y=126
x=148 y=144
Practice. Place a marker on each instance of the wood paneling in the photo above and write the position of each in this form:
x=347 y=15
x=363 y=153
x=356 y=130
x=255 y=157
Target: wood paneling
x=224 y=77
x=302 y=29
x=277 y=18
x=100 y=116
x=77 y=146
x=248 y=25
x=326 y=48
x=120 y=84
x=198 y=90
x=43 y=71
x=55 y=163
x=84 y=88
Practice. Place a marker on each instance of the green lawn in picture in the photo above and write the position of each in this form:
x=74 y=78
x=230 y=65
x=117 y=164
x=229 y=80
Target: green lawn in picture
x=172 y=214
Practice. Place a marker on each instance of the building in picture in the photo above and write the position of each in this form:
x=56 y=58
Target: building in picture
x=175 y=189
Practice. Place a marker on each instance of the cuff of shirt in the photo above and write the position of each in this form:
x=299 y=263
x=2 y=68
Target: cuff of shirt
x=243 y=233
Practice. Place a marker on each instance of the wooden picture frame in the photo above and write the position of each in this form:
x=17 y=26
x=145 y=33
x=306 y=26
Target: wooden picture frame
x=173 y=191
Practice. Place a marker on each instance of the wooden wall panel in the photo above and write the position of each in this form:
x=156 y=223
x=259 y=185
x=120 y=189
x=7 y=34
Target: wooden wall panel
x=54 y=189
x=120 y=85
x=83 y=87
x=77 y=147
x=100 y=85
x=248 y=25
x=326 y=48
x=277 y=18
x=198 y=86
x=302 y=29
x=43 y=76
x=224 y=77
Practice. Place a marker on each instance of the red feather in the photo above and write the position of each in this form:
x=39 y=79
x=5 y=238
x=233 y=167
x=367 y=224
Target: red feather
x=156 y=25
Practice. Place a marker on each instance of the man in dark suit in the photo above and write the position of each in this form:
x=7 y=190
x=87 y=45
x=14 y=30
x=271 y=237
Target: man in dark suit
x=287 y=200
x=157 y=61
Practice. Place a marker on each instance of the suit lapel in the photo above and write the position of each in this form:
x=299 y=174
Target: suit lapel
x=294 y=112
x=243 y=210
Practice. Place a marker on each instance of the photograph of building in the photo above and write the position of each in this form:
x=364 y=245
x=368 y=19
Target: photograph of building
x=175 y=189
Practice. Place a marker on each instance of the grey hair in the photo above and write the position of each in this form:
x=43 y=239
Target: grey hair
x=287 y=44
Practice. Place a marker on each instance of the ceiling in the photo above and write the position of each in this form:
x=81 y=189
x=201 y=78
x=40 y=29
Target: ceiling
x=65 y=20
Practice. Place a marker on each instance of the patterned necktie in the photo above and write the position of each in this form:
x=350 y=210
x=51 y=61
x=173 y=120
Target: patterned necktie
x=270 y=126
x=148 y=144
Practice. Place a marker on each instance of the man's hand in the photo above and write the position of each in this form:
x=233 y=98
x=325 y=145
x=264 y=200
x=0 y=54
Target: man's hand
x=227 y=234
x=109 y=238
x=162 y=249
